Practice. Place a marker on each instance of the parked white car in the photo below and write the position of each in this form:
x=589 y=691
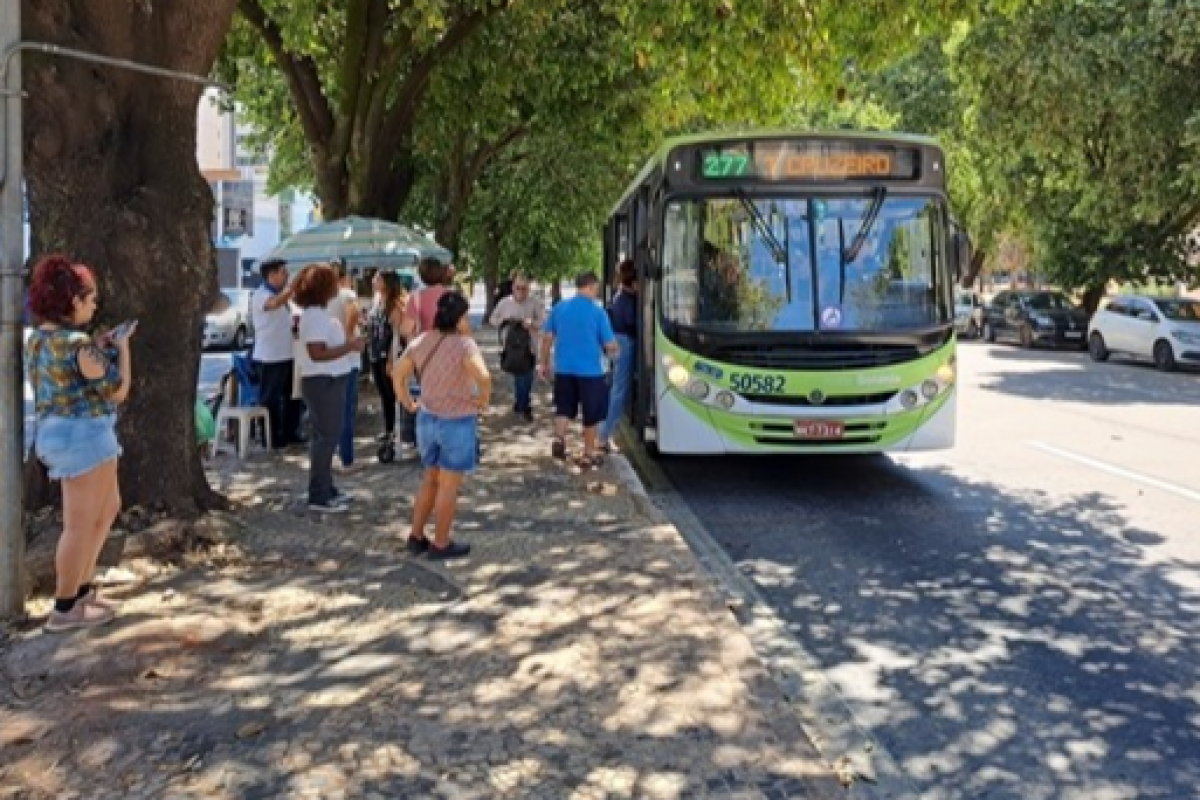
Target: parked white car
x=1165 y=330
x=228 y=324
x=968 y=313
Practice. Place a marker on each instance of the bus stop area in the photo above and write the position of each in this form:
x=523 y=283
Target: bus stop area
x=579 y=652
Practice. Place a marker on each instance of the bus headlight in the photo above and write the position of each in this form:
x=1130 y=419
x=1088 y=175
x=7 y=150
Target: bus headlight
x=929 y=389
x=909 y=399
x=725 y=399
x=697 y=388
x=677 y=376
x=945 y=373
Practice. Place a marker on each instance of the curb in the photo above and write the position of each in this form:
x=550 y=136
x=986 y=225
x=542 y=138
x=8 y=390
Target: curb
x=865 y=767
x=637 y=492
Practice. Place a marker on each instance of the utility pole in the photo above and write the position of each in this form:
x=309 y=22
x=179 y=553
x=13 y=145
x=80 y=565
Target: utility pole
x=12 y=306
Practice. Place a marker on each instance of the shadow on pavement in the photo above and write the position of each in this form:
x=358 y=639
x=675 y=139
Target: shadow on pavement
x=1000 y=646
x=578 y=652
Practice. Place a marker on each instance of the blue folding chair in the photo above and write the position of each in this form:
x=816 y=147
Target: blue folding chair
x=247 y=380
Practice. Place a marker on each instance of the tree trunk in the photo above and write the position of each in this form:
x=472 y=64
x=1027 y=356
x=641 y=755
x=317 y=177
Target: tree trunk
x=448 y=230
x=491 y=268
x=973 y=268
x=113 y=181
x=1093 y=295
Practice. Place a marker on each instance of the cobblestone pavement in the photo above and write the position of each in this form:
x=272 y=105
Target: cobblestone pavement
x=579 y=652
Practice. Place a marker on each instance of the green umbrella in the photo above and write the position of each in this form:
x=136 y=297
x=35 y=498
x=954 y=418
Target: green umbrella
x=362 y=243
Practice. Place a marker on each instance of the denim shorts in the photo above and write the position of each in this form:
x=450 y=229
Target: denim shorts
x=74 y=446
x=449 y=444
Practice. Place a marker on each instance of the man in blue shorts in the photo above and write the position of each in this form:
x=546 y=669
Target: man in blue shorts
x=579 y=333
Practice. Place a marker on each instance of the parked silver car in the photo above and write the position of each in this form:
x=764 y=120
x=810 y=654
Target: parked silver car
x=228 y=323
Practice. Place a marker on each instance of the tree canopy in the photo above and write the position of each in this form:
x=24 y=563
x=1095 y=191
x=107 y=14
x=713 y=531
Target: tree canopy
x=358 y=106
x=1070 y=124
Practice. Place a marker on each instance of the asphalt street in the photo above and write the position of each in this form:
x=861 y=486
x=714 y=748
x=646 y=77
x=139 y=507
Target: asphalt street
x=1017 y=617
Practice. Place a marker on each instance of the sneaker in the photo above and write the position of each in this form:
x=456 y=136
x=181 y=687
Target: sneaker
x=341 y=498
x=559 y=449
x=385 y=436
x=416 y=545
x=93 y=598
x=452 y=550
x=83 y=615
x=330 y=506
x=407 y=451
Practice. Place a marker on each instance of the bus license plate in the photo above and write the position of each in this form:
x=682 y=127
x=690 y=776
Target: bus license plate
x=819 y=429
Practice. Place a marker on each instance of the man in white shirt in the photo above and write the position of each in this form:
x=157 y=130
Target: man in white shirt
x=273 y=353
x=522 y=309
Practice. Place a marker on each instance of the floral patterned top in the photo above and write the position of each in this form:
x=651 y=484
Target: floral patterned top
x=60 y=389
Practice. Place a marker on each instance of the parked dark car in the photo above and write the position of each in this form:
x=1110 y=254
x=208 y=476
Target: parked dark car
x=1035 y=316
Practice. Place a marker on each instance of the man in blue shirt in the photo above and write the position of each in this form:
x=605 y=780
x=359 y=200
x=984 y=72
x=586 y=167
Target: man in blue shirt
x=579 y=333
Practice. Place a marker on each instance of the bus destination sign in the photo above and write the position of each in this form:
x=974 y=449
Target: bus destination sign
x=808 y=160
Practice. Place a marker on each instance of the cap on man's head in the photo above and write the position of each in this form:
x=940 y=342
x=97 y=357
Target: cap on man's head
x=586 y=279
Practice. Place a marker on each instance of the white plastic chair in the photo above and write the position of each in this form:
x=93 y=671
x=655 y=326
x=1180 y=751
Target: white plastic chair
x=244 y=416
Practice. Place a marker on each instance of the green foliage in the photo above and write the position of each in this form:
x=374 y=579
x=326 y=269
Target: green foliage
x=519 y=132
x=1069 y=123
x=1086 y=133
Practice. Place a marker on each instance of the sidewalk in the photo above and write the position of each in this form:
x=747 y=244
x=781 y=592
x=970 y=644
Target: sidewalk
x=579 y=652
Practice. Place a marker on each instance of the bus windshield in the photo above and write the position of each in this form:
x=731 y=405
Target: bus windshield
x=871 y=263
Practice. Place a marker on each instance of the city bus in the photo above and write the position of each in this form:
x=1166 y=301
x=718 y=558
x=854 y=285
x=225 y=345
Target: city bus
x=796 y=293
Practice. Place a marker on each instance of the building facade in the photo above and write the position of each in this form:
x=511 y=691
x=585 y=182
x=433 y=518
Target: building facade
x=248 y=222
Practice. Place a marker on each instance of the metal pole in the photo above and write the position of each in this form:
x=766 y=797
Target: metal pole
x=12 y=380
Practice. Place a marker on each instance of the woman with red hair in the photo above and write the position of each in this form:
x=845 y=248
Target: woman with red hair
x=78 y=382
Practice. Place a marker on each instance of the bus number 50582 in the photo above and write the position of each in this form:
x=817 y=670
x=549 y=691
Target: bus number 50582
x=756 y=384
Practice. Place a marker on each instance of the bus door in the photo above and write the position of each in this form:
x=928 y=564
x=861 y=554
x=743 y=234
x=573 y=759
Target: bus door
x=639 y=248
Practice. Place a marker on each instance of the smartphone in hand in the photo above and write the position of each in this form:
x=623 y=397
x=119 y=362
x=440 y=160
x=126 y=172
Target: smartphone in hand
x=123 y=331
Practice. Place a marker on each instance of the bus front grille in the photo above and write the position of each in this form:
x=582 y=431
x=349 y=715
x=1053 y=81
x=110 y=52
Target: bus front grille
x=825 y=358
x=832 y=401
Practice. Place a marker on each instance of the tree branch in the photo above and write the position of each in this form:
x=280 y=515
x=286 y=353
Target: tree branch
x=489 y=151
x=351 y=77
x=403 y=113
x=300 y=72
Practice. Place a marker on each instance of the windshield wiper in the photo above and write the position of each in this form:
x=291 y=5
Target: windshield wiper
x=868 y=222
x=778 y=252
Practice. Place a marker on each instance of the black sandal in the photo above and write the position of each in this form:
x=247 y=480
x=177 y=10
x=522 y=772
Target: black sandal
x=593 y=461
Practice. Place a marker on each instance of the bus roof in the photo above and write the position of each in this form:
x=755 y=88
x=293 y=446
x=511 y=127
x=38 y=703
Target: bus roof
x=740 y=135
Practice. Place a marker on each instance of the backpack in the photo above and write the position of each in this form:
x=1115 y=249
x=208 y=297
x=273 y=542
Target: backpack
x=516 y=355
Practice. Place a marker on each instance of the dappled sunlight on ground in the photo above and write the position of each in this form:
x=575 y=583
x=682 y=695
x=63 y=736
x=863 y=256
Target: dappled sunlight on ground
x=578 y=652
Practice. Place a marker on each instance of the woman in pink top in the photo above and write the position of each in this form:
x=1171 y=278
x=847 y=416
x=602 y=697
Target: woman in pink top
x=455 y=389
x=423 y=303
